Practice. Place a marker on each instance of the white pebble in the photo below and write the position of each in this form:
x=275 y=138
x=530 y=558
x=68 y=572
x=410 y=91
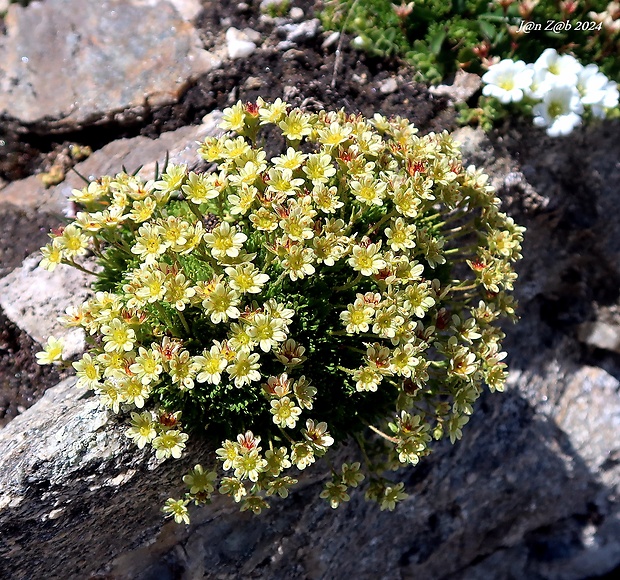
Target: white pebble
x=296 y=14
x=238 y=44
x=388 y=86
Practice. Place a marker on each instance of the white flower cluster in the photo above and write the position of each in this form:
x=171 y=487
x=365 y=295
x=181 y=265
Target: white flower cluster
x=559 y=84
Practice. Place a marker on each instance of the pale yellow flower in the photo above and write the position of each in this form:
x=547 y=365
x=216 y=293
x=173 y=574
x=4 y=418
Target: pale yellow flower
x=52 y=351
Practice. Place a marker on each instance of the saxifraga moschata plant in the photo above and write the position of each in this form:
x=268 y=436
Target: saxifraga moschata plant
x=348 y=288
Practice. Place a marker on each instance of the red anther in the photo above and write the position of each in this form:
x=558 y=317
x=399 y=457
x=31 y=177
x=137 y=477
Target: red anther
x=443 y=319
x=478 y=265
x=251 y=109
x=414 y=167
x=168 y=419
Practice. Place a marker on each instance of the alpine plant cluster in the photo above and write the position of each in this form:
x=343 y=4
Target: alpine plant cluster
x=559 y=87
x=348 y=288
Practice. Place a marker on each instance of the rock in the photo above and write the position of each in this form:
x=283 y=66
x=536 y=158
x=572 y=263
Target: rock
x=462 y=88
x=388 y=86
x=293 y=54
x=182 y=145
x=188 y=9
x=238 y=44
x=331 y=40
x=296 y=14
x=252 y=35
x=512 y=477
x=289 y=92
x=74 y=502
x=253 y=83
x=285 y=45
x=301 y=32
x=116 y=57
x=22 y=233
x=600 y=335
x=34 y=298
x=132 y=153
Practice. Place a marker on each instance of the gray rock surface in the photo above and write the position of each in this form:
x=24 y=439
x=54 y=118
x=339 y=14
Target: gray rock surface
x=34 y=298
x=530 y=492
x=64 y=493
x=66 y=63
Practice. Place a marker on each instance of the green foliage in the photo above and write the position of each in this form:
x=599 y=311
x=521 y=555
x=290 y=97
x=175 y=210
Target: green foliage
x=439 y=37
x=487 y=114
x=277 y=8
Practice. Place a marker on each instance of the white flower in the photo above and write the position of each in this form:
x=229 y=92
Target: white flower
x=507 y=80
x=170 y=443
x=609 y=100
x=246 y=278
x=212 y=364
x=244 y=369
x=542 y=81
x=597 y=90
x=590 y=83
x=221 y=304
x=52 y=351
x=267 y=331
x=564 y=68
x=367 y=259
x=225 y=241
x=559 y=111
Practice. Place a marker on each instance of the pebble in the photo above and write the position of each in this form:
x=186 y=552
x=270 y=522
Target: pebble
x=464 y=86
x=253 y=83
x=331 y=40
x=252 y=35
x=238 y=44
x=293 y=54
x=289 y=92
x=296 y=14
x=388 y=86
x=302 y=31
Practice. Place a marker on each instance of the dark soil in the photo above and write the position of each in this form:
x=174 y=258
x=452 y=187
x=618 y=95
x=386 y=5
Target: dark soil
x=21 y=234
x=303 y=75
x=22 y=380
